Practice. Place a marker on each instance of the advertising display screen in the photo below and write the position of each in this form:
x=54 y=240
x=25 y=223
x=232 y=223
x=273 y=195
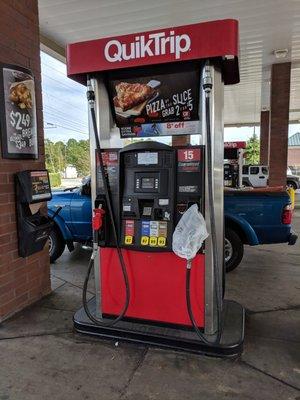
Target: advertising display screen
x=156 y=104
x=40 y=185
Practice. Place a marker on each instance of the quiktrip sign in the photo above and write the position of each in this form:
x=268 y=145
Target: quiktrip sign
x=190 y=42
x=147 y=45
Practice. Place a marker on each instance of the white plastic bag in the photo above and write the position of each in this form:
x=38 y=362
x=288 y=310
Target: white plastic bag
x=189 y=233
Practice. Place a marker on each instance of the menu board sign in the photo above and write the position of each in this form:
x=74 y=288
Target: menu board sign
x=157 y=104
x=18 y=113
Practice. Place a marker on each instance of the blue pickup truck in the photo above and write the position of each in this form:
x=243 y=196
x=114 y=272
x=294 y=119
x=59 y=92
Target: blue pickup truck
x=251 y=217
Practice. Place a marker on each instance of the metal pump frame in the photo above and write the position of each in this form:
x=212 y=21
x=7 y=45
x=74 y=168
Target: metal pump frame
x=104 y=128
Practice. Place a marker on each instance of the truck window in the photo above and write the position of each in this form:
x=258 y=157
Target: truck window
x=254 y=170
x=245 y=169
x=265 y=170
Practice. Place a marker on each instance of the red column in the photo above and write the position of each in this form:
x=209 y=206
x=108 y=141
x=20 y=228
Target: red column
x=22 y=280
x=264 y=137
x=279 y=123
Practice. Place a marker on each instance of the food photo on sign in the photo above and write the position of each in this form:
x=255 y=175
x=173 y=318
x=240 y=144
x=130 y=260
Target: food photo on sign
x=18 y=112
x=156 y=104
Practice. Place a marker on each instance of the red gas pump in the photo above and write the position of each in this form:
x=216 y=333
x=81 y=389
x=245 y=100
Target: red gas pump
x=154 y=84
x=233 y=170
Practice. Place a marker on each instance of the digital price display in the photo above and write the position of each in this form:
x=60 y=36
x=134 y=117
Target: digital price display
x=147 y=158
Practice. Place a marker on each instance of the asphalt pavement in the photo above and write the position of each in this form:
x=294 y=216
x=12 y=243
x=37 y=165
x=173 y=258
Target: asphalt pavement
x=42 y=358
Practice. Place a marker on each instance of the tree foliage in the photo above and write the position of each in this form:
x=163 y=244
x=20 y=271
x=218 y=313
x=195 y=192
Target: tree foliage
x=59 y=154
x=253 y=150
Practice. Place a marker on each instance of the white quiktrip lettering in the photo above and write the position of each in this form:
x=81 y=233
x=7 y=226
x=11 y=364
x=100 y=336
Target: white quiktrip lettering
x=156 y=44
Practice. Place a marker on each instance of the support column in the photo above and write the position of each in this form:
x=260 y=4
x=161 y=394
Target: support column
x=279 y=123
x=22 y=280
x=264 y=137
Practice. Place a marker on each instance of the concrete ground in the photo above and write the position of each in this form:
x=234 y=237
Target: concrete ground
x=42 y=358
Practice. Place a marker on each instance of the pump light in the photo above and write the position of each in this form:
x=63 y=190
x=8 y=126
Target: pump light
x=281 y=53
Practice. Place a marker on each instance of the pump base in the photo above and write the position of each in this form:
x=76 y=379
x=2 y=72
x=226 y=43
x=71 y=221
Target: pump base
x=176 y=338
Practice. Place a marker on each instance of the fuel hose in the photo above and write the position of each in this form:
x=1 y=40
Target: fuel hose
x=107 y=193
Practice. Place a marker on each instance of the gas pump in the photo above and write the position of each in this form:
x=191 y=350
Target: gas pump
x=233 y=170
x=144 y=291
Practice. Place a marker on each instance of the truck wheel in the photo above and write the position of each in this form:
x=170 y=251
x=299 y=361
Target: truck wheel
x=233 y=250
x=292 y=185
x=56 y=245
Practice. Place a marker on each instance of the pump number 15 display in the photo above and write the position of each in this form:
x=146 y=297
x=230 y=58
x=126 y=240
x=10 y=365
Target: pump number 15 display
x=189 y=155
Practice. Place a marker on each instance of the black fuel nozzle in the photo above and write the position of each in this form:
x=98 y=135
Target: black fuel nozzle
x=90 y=94
x=207 y=79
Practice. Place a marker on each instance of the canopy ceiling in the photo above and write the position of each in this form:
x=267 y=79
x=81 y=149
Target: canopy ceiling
x=265 y=26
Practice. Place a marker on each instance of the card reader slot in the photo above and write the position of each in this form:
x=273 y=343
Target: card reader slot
x=146 y=208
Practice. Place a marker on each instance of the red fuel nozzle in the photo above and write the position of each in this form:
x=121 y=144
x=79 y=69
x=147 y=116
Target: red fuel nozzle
x=98 y=214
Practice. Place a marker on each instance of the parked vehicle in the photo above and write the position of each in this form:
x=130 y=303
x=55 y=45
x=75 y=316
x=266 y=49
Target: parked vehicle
x=258 y=176
x=293 y=181
x=251 y=218
x=255 y=175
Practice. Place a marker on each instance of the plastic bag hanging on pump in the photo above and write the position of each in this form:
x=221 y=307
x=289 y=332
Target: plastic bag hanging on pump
x=189 y=233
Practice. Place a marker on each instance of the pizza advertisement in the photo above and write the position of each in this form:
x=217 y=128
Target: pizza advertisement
x=157 y=104
x=18 y=112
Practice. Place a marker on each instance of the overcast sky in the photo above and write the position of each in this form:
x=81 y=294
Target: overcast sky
x=64 y=102
x=65 y=106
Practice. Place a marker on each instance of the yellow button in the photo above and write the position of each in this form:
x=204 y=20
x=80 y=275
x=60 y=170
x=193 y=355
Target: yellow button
x=128 y=239
x=153 y=241
x=144 y=240
x=161 y=241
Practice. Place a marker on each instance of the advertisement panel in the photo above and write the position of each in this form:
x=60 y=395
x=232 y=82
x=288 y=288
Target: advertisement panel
x=156 y=104
x=18 y=112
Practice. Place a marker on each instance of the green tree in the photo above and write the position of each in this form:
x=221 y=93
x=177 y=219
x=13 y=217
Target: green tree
x=78 y=155
x=55 y=156
x=253 y=150
x=60 y=152
x=49 y=159
x=58 y=155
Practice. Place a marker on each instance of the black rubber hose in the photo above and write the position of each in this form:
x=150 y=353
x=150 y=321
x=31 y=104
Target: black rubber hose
x=114 y=229
x=189 y=307
x=191 y=314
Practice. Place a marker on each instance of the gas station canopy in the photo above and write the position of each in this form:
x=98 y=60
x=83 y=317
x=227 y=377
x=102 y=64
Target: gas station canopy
x=264 y=28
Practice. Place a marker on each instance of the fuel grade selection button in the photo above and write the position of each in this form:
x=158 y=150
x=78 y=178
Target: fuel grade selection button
x=153 y=241
x=161 y=242
x=128 y=239
x=144 y=240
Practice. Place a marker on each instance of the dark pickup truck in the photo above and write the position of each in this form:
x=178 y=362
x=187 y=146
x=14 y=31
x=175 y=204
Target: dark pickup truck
x=252 y=217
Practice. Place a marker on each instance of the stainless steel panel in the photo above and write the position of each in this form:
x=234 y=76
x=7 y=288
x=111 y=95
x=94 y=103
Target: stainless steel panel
x=217 y=96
